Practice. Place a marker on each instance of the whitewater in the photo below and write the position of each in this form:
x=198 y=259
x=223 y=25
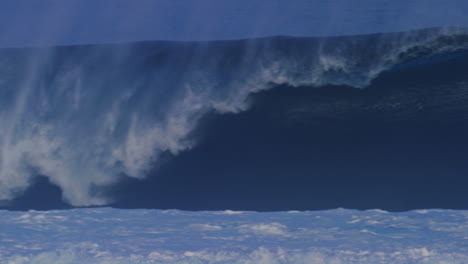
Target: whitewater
x=105 y=235
x=88 y=116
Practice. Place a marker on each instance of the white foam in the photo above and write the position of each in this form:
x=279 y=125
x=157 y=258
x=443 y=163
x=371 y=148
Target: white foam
x=153 y=236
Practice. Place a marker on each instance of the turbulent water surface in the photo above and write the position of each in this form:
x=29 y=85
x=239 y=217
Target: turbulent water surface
x=153 y=236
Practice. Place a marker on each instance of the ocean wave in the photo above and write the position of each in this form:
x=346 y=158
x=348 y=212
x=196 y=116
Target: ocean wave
x=86 y=116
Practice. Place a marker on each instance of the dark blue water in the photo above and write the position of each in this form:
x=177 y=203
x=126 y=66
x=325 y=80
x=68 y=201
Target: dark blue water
x=399 y=144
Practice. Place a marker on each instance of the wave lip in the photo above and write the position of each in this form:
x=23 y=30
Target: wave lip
x=86 y=116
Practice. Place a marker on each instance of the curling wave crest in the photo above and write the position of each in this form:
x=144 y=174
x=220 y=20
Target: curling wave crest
x=86 y=116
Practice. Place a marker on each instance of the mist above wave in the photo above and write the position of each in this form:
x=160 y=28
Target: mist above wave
x=86 y=116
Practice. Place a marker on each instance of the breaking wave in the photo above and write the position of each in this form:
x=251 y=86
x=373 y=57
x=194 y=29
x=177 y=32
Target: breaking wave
x=86 y=116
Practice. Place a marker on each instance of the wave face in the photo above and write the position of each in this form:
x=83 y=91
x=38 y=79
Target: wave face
x=87 y=116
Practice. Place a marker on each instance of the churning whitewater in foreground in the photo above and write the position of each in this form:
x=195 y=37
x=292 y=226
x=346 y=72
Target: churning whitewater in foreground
x=338 y=236
x=87 y=116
